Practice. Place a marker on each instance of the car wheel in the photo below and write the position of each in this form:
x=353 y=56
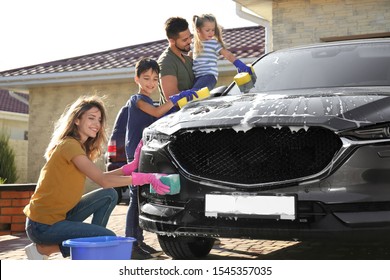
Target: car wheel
x=186 y=248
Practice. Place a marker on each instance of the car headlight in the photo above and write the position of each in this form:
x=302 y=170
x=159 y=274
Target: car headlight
x=155 y=139
x=373 y=132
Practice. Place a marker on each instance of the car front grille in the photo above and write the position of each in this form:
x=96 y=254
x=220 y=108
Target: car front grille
x=259 y=155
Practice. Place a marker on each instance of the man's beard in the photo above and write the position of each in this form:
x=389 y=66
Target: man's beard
x=182 y=50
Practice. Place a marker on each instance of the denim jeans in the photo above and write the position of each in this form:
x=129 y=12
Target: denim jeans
x=132 y=217
x=98 y=203
x=205 y=81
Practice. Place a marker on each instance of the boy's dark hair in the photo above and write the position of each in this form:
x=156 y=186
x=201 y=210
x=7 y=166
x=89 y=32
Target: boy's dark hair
x=145 y=64
x=175 y=25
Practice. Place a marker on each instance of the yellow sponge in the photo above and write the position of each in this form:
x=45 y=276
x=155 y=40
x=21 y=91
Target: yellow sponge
x=242 y=78
x=202 y=94
x=245 y=81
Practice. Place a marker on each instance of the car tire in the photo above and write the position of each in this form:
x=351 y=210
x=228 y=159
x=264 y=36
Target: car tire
x=186 y=248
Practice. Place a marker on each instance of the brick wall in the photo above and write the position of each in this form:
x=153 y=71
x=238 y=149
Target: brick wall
x=298 y=22
x=13 y=198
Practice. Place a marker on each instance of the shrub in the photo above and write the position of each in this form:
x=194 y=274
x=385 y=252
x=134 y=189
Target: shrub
x=7 y=161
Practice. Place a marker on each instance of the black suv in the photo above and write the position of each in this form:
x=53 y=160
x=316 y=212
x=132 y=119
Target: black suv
x=304 y=155
x=115 y=156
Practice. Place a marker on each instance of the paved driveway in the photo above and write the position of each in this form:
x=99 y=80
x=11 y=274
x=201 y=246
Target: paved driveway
x=11 y=247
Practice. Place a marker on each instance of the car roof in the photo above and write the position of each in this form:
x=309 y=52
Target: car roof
x=339 y=43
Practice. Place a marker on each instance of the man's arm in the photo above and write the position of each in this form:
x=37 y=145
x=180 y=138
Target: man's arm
x=169 y=85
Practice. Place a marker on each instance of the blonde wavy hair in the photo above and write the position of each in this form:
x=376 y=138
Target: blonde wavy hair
x=198 y=22
x=66 y=127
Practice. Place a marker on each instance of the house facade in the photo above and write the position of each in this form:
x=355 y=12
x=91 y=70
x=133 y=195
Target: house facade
x=53 y=85
x=280 y=23
x=299 y=22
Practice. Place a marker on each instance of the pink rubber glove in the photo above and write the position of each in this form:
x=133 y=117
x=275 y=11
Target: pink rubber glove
x=129 y=168
x=150 y=178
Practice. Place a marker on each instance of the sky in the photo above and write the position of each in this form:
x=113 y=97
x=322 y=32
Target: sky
x=39 y=31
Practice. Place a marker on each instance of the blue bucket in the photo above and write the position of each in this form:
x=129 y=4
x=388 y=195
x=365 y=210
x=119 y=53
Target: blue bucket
x=100 y=248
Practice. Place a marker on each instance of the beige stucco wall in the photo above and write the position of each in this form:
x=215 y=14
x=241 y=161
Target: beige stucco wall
x=20 y=148
x=226 y=78
x=297 y=22
x=47 y=104
x=15 y=125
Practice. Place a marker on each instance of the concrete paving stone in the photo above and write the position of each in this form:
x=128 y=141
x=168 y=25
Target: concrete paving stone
x=12 y=247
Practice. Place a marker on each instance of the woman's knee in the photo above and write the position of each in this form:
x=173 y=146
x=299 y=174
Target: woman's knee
x=110 y=193
x=113 y=193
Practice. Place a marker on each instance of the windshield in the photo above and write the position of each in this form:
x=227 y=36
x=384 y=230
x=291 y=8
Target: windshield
x=348 y=65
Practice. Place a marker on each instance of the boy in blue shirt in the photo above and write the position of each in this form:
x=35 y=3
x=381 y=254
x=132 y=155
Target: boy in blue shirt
x=141 y=114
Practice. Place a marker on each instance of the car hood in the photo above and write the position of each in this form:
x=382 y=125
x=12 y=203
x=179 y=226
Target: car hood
x=337 y=109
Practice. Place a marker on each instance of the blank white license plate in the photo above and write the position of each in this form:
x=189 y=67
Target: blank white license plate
x=236 y=205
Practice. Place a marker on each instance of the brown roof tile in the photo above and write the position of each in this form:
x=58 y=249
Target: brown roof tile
x=10 y=103
x=244 y=42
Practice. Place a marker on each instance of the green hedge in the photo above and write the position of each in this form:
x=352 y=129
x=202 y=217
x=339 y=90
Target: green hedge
x=8 y=172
